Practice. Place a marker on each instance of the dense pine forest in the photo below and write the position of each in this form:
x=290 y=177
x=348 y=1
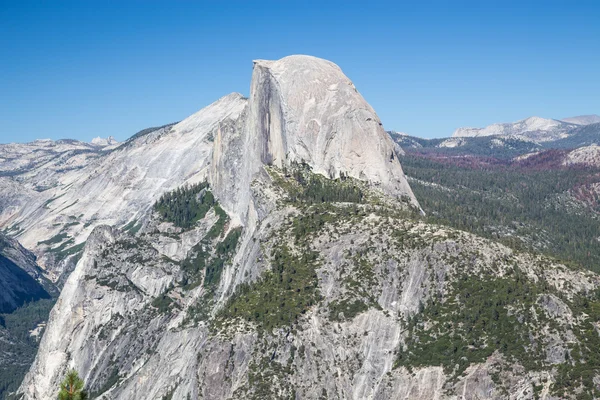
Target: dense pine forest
x=186 y=205
x=19 y=341
x=535 y=205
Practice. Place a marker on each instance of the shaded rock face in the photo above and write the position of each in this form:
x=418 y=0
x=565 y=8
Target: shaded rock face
x=17 y=287
x=13 y=251
x=21 y=280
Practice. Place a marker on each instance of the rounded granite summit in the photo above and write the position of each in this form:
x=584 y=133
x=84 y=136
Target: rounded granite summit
x=305 y=108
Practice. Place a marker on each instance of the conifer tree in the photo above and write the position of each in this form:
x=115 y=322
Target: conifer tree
x=72 y=387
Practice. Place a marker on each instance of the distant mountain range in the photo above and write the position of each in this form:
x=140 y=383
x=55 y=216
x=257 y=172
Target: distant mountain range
x=534 y=129
x=583 y=119
x=510 y=139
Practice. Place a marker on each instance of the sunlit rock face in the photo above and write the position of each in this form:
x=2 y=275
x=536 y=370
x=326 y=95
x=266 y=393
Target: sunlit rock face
x=304 y=108
x=59 y=202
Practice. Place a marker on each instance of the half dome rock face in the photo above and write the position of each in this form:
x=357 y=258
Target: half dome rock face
x=304 y=108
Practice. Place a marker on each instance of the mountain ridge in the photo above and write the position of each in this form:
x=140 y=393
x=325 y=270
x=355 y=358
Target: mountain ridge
x=583 y=119
x=242 y=152
x=272 y=247
x=65 y=204
x=533 y=128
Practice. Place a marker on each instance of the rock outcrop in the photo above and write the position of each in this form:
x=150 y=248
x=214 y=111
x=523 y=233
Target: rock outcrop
x=304 y=109
x=104 y=142
x=585 y=156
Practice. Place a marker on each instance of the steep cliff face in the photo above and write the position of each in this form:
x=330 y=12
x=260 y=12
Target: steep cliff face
x=305 y=109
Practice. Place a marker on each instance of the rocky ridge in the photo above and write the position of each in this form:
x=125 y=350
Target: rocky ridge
x=583 y=119
x=116 y=188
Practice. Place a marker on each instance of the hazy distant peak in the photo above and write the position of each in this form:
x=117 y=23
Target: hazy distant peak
x=534 y=128
x=583 y=119
x=109 y=141
x=399 y=133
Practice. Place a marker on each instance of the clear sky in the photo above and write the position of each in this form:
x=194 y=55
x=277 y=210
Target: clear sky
x=80 y=69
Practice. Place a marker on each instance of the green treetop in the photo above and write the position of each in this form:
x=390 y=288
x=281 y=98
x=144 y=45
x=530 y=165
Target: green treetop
x=71 y=387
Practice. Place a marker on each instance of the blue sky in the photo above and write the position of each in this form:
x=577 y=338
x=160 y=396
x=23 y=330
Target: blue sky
x=80 y=69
